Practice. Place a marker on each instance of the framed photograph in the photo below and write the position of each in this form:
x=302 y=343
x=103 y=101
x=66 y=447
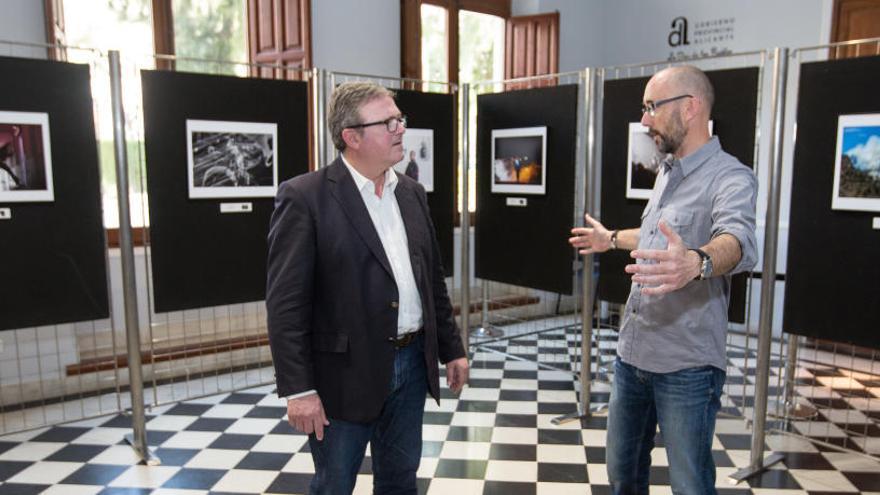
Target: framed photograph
x=857 y=163
x=643 y=161
x=25 y=158
x=519 y=160
x=418 y=157
x=232 y=159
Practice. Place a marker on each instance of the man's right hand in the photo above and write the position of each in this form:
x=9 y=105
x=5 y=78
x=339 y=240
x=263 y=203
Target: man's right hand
x=306 y=414
x=594 y=238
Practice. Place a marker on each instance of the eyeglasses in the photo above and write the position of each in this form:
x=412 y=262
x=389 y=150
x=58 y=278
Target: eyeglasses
x=650 y=107
x=391 y=124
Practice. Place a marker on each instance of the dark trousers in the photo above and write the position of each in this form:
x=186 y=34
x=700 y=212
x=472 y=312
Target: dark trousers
x=395 y=437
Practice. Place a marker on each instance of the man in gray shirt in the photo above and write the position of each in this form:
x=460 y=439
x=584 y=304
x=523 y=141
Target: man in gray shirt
x=697 y=229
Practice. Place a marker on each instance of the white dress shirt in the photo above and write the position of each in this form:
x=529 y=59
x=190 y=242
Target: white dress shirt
x=385 y=214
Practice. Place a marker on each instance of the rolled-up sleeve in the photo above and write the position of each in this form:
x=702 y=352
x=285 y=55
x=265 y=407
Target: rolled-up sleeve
x=733 y=212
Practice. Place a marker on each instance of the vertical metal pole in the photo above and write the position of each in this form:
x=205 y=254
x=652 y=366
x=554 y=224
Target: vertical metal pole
x=465 y=308
x=768 y=272
x=590 y=203
x=329 y=87
x=319 y=117
x=138 y=439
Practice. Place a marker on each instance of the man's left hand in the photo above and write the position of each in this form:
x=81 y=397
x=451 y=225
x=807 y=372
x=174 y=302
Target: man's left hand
x=456 y=374
x=672 y=268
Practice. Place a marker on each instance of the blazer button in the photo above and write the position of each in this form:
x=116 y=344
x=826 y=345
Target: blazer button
x=394 y=304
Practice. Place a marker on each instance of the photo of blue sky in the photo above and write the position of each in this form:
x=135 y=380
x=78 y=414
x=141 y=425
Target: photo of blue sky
x=862 y=145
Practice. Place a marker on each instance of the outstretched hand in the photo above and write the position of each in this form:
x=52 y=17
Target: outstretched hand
x=672 y=268
x=594 y=238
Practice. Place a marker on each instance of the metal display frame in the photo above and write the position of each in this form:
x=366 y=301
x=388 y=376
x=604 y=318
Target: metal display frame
x=481 y=337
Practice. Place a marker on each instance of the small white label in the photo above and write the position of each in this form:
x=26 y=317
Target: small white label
x=5 y=213
x=877 y=223
x=236 y=207
x=517 y=202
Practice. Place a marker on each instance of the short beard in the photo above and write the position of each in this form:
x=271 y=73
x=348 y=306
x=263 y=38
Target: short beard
x=671 y=141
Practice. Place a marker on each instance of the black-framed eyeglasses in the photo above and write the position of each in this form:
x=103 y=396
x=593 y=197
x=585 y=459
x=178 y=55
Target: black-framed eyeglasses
x=650 y=107
x=391 y=124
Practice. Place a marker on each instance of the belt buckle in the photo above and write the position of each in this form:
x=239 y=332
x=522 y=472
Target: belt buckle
x=401 y=342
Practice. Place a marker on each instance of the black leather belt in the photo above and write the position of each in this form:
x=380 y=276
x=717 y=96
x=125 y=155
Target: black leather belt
x=405 y=339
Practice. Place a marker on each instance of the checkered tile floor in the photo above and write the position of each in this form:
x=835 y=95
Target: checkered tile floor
x=496 y=438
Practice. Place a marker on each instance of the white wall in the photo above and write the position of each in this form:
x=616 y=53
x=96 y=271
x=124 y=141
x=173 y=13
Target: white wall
x=357 y=36
x=581 y=29
x=22 y=20
x=601 y=33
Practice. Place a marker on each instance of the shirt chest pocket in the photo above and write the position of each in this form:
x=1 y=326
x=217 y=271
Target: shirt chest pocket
x=681 y=221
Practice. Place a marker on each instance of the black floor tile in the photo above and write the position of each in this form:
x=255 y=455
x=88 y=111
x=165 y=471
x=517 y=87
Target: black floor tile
x=513 y=452
x=210 y=424
x=521 y=374
x=594 y=423
x=185 y=409
x=60 y=434
x=269 y=461
x=267 y=412
x=21 y=489
x=562 y=473
x=284 y=428
x=865 y=482
x=555 y=385
x=806 y=460
x=488 y=406
x=437 y=418
x=242 y=398
x=557 y=407
x=290 y=483
x=560 y=437
x=235 y=441
x=4 y=446
x=195 y=479
x=595 y=455
x=774 y=479
x=722 y=459
x=469 y=434
x=94 y=474
x=462 y=469
x=77 y=453
x=125 y=491
x=508 y=488
x=175 y=457
x=519 y=395
x=8 y=469
x=158 y=437
x=516 y=420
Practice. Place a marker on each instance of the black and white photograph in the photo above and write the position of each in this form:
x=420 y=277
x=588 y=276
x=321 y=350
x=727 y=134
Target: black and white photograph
x=232 y=159
x=519 y=160
x=25 y=158
x=418 y=157
x=857 y=163
x=643 y=161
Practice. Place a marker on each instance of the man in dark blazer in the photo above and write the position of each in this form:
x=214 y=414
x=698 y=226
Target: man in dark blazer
x=358 y=311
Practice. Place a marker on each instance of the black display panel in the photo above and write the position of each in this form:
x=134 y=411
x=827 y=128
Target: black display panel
x=53 y=267
x=200 y=256
x=528 y=245
x=734 y=115
x=831 y=288
x=436 y=111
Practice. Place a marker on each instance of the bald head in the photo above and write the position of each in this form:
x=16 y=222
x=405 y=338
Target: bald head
x=687 y=79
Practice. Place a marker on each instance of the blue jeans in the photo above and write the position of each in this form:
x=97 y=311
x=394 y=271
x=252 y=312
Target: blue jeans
x=395 y=437
x=684 y=404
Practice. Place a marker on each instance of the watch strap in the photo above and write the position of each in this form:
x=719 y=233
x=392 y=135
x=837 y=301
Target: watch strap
x=704 y=260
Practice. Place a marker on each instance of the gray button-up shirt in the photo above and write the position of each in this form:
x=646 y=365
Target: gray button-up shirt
x=703 y=195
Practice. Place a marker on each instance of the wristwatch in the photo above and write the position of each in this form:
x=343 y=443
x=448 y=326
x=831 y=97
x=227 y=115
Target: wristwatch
x=705 y=265
x=614 y=239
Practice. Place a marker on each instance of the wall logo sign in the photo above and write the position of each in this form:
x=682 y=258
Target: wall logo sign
x=702 y=38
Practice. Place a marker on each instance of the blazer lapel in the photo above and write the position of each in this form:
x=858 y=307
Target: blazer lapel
x=346 y=193
x=414 y=224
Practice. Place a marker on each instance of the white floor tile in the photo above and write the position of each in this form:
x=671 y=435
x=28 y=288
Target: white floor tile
x=45 y=472
x=31 y=451
x=145 y=476
x=216 y=459
x=521 y=471
x=245 y=481
x=447 y=486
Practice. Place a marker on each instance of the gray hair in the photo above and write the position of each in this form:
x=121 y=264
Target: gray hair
x=693 y=81
x=345 y=106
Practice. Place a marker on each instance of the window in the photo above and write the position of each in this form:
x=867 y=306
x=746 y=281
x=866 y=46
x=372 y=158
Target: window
x=459 y=41
x=211 y=30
